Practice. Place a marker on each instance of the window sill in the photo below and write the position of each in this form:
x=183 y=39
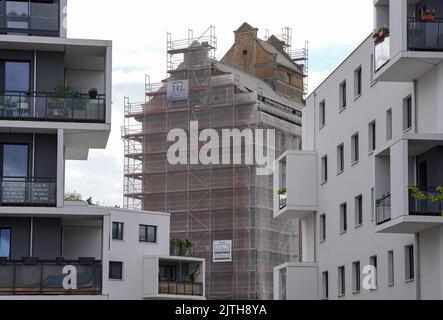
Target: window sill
x=409 y=281
x=355 y=163
x=357 y=97
x=322 y=241
x=343 y=232
x=407 y=130
x=373 y=83
x=371 y=153
x=323 y=183
x=391 y=285
x=340 y=172
x=359 y=226
x=322 y=126
x=341 y=109
x=341 y=295
x=356 y=292
x=116 y=280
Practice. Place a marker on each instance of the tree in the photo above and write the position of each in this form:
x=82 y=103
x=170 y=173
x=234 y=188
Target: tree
x=73 y=196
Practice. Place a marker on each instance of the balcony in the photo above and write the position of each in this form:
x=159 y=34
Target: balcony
x=30 y=18
x=36 y=106
x=425 y=35
x=173 y=278
x=428 y=205
x=383 y=209
x=296 y=281
x=28 y=192
x=33 y=277
x=295 y=185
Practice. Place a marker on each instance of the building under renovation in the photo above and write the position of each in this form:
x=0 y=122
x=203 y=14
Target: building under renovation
x=227 y=210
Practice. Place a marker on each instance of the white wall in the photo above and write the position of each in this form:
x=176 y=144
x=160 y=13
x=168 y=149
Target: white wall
x=86 y=80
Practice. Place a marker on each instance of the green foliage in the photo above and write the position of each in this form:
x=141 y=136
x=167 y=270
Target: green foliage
x=73 y=196
x=419 y=194
x=63 y=90
x=281 y=191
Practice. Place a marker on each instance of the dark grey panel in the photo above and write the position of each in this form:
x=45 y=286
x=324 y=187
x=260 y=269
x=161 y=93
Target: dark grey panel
x=47 y=238
x=46 y=156
x=50 y=70
x=434 y=160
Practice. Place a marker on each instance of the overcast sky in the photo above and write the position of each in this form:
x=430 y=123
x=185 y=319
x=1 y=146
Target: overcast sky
x=138 y=31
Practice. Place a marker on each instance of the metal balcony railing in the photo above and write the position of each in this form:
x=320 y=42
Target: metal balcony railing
x=425 y=35
x=33 y=277
x=428 y=206
x=38 y=106
x=35 y=18
x=282 y=201
x=180 y=288
x=383 y=209
x=28 y=192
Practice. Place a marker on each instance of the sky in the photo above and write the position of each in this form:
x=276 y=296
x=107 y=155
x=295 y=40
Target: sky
x=138 y=31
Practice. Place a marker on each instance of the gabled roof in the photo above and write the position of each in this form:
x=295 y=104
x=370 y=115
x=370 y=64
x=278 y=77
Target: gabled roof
x=282 y=58
x=245 y=27
x=248 y=82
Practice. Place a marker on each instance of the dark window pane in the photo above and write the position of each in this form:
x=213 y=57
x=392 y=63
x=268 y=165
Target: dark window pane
x=15 y=160
x=117 y=231
x=115 y=270
x=17 y=76
x=17 y=14
x=5 y=243
x=142 y=233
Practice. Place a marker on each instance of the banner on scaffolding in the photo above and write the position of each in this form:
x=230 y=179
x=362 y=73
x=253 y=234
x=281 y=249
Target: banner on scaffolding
x=222 y=251
x=178 y=90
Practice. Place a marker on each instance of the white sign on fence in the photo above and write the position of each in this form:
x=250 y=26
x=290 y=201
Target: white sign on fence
x=222 y=251
x=178 y=90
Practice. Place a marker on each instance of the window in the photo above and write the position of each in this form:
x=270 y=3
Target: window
x=117 y=231
x=343 y=96
x=409 y=263
x=17 y=14
x=322 y=113
x=325 y=286
x=340 y=158
x=373 y=262
x=323 y=227
x=324 y=169
x=147 y=234
x=115 y=270
x=359 y=210
x=372 y=137
x=15 y=161
x=355 y=148
x=5 y=243
x=372 y=68
x=167 y=272
x=407 y=113
x=343 y=218
x=389 y=125
x=356 y=277
x=288 y=78
x=391 y=268
x=341 y=281
x=372 y=204
x=17 y=76
x=245 y=52
x=358 y=82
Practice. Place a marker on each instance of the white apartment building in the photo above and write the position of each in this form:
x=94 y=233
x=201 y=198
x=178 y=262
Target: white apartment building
x=371 y=130
x=55 y=105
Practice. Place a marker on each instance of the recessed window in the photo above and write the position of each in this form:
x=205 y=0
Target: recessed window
x=343 y=218
x=373 y=261
x=372 y=68
x=356 y=277
x=147 y=234
x=324 y=169
x=288 y=78
x=340 y=158
x=372 y=203
x=117 y=231
x=115 y=270
x=359 y=210
x=389 y=125
x=355 y=148
x=323 y=227
x=343 y=93
x=407 y=113
x=5 y=243
x=372 y=143
x=341 y=281
x=358 y=82
x=322 y=113
x=325 y=285
x=245 y=52
x=409 y=263
x=391 y=277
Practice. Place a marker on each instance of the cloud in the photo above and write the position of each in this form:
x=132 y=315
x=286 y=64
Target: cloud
x=138 y=30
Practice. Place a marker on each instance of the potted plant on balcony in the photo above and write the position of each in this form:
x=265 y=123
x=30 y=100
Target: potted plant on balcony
x=93 y=93
x=188 y=248
x=421 y=195
x=57 y=104
x=383 y=32
x=428 y=15
x=282 y=197
x=376 y=36
x=175 y=245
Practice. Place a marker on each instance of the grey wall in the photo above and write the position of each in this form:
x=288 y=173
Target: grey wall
x=20 y=236
x=47 y=238
x=50 y=70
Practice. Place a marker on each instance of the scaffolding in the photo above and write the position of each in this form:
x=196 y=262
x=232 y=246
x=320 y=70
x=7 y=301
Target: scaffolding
x=214 y=202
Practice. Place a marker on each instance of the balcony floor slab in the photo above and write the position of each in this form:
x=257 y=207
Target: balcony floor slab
x=409 y=224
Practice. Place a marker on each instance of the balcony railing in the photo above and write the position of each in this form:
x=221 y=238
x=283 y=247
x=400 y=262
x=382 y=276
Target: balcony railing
x=383 y=209
x=48 y=107
x=180 y=288
x=282 y=201
x=428 y=206
x=382 y=53
x=46 y=278
x=30 y=18
x=28 y=192
x=425 y=35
